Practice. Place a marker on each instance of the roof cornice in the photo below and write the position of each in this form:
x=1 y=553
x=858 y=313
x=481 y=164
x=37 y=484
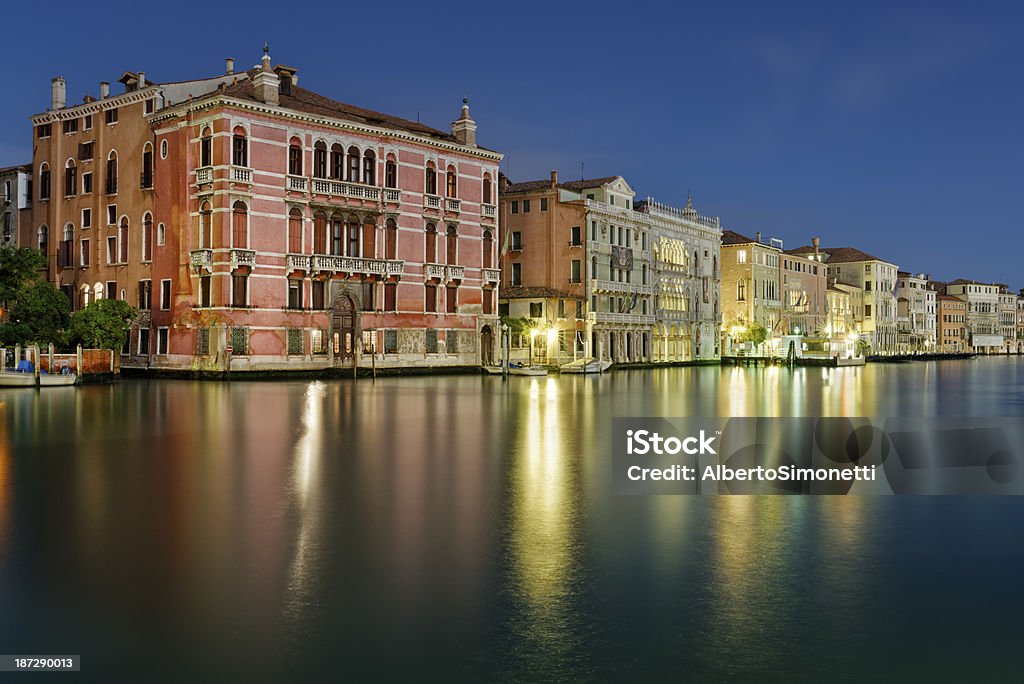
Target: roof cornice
x=96 y=105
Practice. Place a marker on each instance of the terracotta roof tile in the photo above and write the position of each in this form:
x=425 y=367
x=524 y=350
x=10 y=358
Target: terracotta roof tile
x=535 y=185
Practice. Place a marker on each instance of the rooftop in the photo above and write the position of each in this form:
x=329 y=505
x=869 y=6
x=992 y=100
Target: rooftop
x=576 y=186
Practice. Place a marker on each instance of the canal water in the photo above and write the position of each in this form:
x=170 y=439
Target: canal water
x=465 y=528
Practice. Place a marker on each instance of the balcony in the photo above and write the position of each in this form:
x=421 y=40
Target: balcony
x=201 y=259
x=298 y=262
x=434 y=271
x=456 y=272
x=322 y=263
x=336 y=188
x=488 y=211
x=392 y=196
x=204 y=174
x=297 y=183
x=615 y=287
x=637 y=319
x=432 y=202
x=240 y=174
x=491 y=275
x=243 y=257
x=452 y=205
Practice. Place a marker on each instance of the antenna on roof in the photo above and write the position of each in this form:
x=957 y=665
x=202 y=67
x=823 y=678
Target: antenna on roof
x=581 y=171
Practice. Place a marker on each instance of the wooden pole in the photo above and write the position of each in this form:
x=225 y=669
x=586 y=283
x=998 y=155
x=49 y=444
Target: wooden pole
x=35 y=362
x=78 y=363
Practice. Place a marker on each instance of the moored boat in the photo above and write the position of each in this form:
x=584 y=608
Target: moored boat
x=586 y=365
x=527 y=370
x=17 y=379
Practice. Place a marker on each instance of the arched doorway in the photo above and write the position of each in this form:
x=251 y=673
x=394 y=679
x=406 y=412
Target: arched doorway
x=486 y=346
x=343 y=328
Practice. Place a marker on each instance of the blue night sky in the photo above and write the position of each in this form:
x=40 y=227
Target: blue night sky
x=893 y=129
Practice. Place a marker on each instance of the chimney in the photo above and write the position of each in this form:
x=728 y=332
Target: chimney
x=142 y=80
x=815 y=241
x=229 y=66
x=554 y=179
x=266 y=83
x=464 y=129
x=104 y=90
x=59 y=91
x=758 y=237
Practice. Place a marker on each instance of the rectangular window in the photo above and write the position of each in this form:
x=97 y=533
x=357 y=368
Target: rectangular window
x=87 y=122
x=85 y=151
x=317 y=292
x=318 y=341
x=579 y=308
x=112 y=249
x=111 y=214
x=575 y=276
x=83 y=258
x=503 y=308
x=86 y=183
x=161 y=340
x=517 y=239
x=295 y=342
x=488 y=301
x=150 y=105
x=110 y=116
x=536 y=309
x=43 y=131
x=239 y=290
x=390 y=341
x=741 y=256
x=430 y=298
x=143 y=348
x=294 y=293
x=452 y=298
x=87 y=218
x=206 y=151
x=543 y=203
x=526 y=206
x=391 y=296
x=867 y=311
x=145 y=294
x=202 y=341
x=576 y=237
x=165 y=295
x=517 y=275
x=368 y=296
x=561 y=308
x=515 y=207
x=205 y=283
x=431 y=343
x=239 y=341
x=71 y=126
x=111 y=289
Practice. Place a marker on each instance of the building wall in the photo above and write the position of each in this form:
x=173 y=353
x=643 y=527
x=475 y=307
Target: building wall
x=756 y=267
x=984 y=334
x=15 y=202
x=878 y=319
x=951 y=321
x=804 y=306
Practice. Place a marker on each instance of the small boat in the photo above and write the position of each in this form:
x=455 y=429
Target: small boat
x=17 y=379
x=526 y=370
x=493 y=370
x=57 y=379
x=586 y=365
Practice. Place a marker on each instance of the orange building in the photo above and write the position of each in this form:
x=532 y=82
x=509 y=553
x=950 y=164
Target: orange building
x=258 y=225
x=952 y=323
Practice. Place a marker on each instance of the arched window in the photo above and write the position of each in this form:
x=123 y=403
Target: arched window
x=451 y=182
x=352 y=236
x=97 y=292
x=319 y=233
x=44 y=240
x=370 y=168
x=295 y=231
x=163 y=149
x=337 y=235
x=391 y=239
x=337 y=162
x=111 y=179
x=239 y=225
x=451 y=245
x=295 y=157
x=85 y=295
x=487 y=189
x=146 y=179
x=390 y=174
x=430 y=180
x=593 y=267
x=147 y=237
x=205 y=226
x=161 y=234
x=643 y=279
x=206 y=147
x=122 y=239
x=239 y=147
x=488 y=248
x=44 y=181
x=320 y=159
x=353 y=164
x=430 y=245
x=65 y=249
x=70 y=177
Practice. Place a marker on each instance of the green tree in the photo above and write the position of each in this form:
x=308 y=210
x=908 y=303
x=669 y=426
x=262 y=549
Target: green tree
x=104 y=324
x=39 y=315
x=755 y=333
x=19 y=268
